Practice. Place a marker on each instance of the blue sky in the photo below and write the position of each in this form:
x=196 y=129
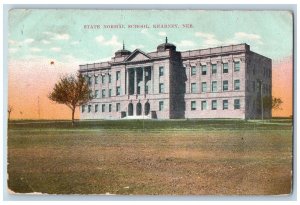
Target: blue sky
x=60 y=34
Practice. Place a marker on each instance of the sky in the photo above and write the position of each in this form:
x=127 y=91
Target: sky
x=37 y=37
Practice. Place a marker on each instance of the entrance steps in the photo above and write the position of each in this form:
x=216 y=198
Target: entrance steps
x=137 y=117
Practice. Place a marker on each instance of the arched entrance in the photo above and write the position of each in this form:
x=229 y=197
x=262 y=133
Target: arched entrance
x=130 y=109
x=138 y=109
x=147 y=108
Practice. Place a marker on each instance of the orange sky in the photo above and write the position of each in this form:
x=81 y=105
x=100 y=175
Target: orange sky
x=29 y=81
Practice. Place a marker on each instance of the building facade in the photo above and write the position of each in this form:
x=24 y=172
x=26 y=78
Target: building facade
x=222 y=82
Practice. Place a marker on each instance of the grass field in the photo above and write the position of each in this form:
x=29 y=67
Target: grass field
x=175 y=157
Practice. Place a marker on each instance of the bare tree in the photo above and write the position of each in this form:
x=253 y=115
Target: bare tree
x=9 y=110
x=272 y=102
x=71 y=91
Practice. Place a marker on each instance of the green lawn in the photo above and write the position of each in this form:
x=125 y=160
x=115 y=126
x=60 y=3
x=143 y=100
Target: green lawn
x=151 y=157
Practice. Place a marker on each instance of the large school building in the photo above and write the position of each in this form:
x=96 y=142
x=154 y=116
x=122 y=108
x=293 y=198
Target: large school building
x=221 y=82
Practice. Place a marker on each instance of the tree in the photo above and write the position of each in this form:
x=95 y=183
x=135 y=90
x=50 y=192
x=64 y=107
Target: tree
x=9 y=110
x=272 y=102
x=71 y=91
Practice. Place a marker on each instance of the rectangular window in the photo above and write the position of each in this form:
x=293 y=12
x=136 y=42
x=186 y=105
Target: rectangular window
x=90 y=80
x=225 y=67
x=225 y=104
x=103 y=79
x=118 y=90
x=236 y=84
x=96 y=93
x=96 y=79
x=103 y=93
x=109 y=107
x=225 y=85
x=203 y=105
x=118 y=75
x=193 y=88
x=203 y=87
x=118 y=105
x=237 y=66
x=138 y=90
x=146 y=89
x=161 y=105
x=193 y=105
x=213 y=104
x=96 y=108
x=161 y=71
x=193 y=70
x=203 y=70
x=214 y=86
x=83 y=108
x=161 y=88
x=109 y=92
x=213 y=68
x=89 y=108
x=109 y=78
x=103 y=107
x=236 y=104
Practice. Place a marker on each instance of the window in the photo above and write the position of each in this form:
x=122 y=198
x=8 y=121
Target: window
x=109 y=107
x=96 y=108
x=225 y=67
x=109 y=78
x=203 y=69
x=103 y=78
x=193 y=70
x=203 y=105
x=225 y=104
x=118 y=75
x=193 y=88
x=96 y=79
x=90 y=80
x=109 y=92
x=203 y=87
x=236 y=104
x=193 y=105
x=103 y=107
x=146 y=89
x=118 y=105
x=103 y=93
x=89 y=108
x=213 y=104
x=118 y=90
x=225 y=85
x=214 y=86
x=161 y=71
x=96 y=93
x=236 y=84
x=161 y=105
x=83 y=108
x=161 y=88
x=237 y=66
x=213 y=68
x=138 y=90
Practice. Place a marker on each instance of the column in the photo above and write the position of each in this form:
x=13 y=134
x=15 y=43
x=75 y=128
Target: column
x=127 y=82
x=143 y=88
x=152 y=79
x=135 y=81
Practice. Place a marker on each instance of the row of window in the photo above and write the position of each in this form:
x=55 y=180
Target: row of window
x=103 y=108
x=103 y=78
x=214 y=69
x=214 y=86
x=103 y=92
x=214 y=104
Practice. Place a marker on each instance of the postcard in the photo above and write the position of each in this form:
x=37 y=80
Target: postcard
x=150 y=102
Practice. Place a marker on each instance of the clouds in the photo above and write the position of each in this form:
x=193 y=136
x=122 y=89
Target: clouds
x=211 y=40
x=162 y=33
x=185 y=44
x=35 y=49
x=57 y=36
x=109 y=42
x=56 y=49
